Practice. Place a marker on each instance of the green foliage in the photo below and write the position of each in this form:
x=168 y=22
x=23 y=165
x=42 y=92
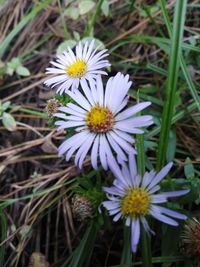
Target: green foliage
x=64 y=46
x=85 y=6
x=90 y=188
x=7 y=119
x=72 y=12
x=105 y=8
x=15 y=65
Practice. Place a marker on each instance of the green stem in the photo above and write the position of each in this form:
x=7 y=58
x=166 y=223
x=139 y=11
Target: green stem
x=92 y=22
x=146 y=245
x=126 y=257
x=173 y=70
x=33 y=112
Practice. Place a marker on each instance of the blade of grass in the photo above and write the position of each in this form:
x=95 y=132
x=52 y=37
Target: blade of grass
x=185 y=71
x=173 y=69
x=85 y=247
x=26 y=19
x=92 y=22
x=148 y=39
x=63 y=20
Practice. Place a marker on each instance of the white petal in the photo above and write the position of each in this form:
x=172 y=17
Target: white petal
x=173 y=213
x=80 y=99
x=117 y=217
x=116 y=147
x=80 y=137
x=121 y=142
x=102 y=152
x=175 y=193
x=125 y=136
x=68 y=124
x=148 y=177
x=94 y=152
x=75 y=108
x=100 y=91
x=160 y=175
x=132 y=110
x=72 y=112
x=83 y=150
x=87 y=91
x=158 y=199
x=135 y=234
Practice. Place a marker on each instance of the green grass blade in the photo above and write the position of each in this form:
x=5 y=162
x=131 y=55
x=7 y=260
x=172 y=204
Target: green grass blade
x=91 y=24
x=190 y=82
x=84 y=250
x=182 y=61
x=173 y=69
x=26 y=19
x=3 y=235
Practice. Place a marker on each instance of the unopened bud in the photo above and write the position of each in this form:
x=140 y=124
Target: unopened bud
x=52 y=106
x=82 y=208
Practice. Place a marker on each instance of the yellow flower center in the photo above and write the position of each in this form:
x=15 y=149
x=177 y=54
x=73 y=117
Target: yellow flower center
x=99 y=119
x=135 y=203
x=77 y=69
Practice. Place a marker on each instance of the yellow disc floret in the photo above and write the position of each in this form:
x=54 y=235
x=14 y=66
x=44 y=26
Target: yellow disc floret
x=135 y=203
x=77 y=69
x=99 y=119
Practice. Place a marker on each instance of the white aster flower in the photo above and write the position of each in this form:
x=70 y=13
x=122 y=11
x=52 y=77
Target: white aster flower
x=74 y=68
x=103 y=125
x=133 y=198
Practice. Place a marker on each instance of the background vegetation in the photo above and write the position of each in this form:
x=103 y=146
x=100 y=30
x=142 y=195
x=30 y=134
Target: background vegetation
x=158 y=45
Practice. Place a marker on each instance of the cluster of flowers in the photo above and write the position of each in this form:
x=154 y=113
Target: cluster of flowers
x=105 y=128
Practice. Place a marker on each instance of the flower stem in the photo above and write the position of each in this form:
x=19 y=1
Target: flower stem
x=146 y=245
x=126 y=257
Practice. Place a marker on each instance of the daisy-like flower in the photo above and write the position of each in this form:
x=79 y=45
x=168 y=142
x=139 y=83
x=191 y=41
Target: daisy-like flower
x=102 y=126
x=133 y=198
x=71 y=68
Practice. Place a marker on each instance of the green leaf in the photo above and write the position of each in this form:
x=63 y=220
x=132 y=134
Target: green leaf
x=97 y=42
x=14 y=63
x=189 y=169
x=105 y=8
x=22 y=71
x=152 y=9
x=76 y=36
x=8 y=122
x=72 y=12
x=85 y=6
x=5 y=105
x=64 y=46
